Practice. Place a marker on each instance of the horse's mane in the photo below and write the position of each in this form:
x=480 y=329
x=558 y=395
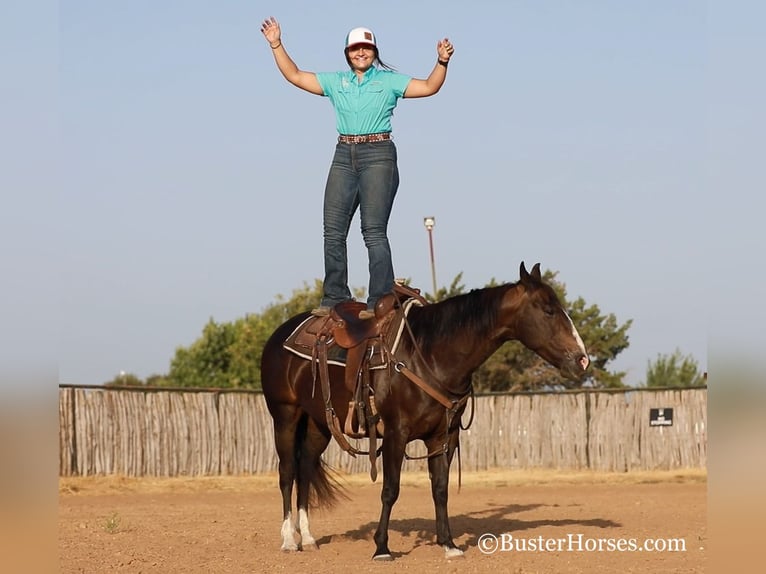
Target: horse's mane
x=472 y=312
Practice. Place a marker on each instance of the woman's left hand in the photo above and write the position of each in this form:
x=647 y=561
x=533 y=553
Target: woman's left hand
x=445 y=49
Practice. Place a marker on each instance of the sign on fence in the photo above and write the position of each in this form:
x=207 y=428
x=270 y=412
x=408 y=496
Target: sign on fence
x=660 y=417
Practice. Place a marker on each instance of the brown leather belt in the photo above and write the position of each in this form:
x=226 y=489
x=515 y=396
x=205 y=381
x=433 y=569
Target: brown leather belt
x=366 y=138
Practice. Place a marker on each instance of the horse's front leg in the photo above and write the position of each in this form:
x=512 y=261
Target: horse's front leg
x=393 y=456
x=438 y=471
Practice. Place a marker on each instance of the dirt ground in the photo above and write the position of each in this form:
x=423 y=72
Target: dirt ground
x=232 y=525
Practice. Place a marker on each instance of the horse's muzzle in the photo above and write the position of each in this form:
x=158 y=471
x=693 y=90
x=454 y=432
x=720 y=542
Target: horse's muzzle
x=575 y=369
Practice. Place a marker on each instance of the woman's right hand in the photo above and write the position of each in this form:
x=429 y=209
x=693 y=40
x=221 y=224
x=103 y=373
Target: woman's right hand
x=271 y=30
x=297 y=77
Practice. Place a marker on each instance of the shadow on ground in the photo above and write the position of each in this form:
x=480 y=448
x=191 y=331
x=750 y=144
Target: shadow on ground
x=497 y=519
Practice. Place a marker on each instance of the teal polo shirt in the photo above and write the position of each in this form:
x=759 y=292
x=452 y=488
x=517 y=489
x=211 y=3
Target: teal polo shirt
x=366 y=107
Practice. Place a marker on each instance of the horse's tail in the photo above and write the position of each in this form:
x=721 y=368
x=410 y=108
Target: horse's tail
x=325 y=489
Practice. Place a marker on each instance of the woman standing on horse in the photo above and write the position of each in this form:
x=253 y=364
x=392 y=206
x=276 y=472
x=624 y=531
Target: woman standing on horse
x=364 y=172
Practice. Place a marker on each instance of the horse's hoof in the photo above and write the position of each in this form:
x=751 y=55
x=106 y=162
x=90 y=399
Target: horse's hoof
x=451 y=553
x=309 y=547
x=289 y=548
x=383 y=558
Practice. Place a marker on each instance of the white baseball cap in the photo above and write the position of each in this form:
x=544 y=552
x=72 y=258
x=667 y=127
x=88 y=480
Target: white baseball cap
x=360 y=36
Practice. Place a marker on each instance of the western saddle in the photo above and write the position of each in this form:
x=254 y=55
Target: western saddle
x=361 y=345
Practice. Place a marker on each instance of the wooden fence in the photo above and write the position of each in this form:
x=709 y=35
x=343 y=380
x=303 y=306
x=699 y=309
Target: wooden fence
x=160 y=432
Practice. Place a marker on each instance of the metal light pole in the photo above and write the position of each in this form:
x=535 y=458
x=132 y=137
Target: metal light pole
x=429 y=222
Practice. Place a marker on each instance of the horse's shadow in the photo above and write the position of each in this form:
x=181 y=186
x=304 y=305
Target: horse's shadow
x=496 y=519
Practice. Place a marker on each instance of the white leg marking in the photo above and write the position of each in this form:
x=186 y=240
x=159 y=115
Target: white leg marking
x=307 y=541
x=288 y=534
x=452 y=552
x=383 y=558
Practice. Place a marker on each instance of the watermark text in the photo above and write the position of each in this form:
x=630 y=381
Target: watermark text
x=489 y=543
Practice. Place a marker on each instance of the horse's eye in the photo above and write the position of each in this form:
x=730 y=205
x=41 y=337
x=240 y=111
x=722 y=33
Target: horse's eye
x=550 y=311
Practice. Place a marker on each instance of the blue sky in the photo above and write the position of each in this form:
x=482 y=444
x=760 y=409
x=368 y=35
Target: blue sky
x=593 y=137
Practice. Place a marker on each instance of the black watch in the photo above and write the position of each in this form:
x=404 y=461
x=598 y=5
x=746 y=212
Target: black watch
x=443 y=62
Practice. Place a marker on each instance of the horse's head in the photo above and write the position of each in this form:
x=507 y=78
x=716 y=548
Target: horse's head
x=543 y=325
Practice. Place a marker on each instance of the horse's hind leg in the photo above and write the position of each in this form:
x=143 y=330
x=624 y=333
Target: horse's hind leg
x=286 y=421
x=310 y=475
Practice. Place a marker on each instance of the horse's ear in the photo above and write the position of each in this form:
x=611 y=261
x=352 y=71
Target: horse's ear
x=530 y=278
x=523 y=274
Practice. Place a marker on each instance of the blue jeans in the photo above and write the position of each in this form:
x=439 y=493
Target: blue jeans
x=364 y=176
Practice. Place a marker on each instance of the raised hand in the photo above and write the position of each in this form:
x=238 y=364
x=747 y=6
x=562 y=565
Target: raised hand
x=271 y=30
x=445 y=49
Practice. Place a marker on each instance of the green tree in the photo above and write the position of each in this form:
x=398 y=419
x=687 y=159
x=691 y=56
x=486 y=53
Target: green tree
x=228 y=355
x=254 y=330
x=455 y=288
x=157 y=380
x=604 y=339
x=125 y=380
x=674 y=370
x=207 y=362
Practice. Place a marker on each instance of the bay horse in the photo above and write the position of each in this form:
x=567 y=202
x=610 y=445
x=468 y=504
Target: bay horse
x=447 y=342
